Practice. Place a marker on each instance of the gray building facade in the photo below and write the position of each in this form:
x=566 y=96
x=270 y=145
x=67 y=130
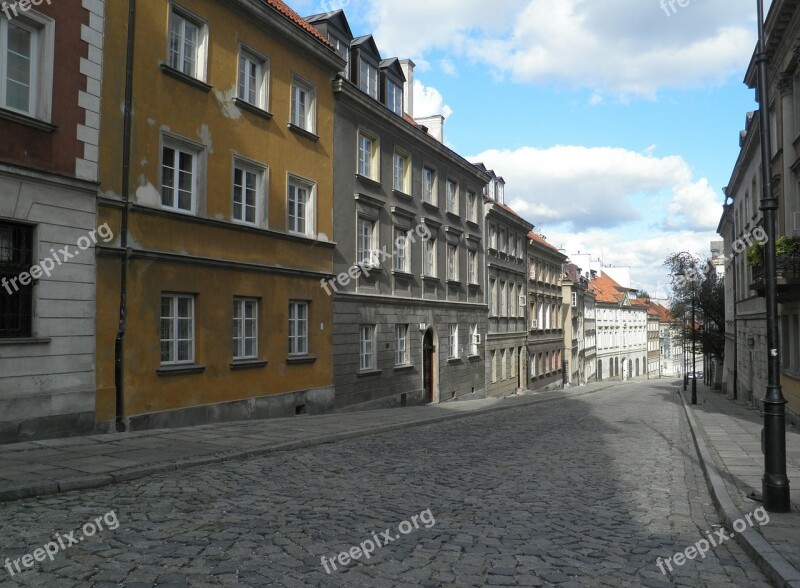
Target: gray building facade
x=506 y=274
x=409 y=308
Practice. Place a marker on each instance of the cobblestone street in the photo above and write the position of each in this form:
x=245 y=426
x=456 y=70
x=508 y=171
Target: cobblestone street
x=583 y=492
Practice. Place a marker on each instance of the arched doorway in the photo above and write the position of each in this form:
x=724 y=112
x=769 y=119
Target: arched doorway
x=616 y=366
x=630 y=368
x=430 y=366
x=599 y=369
x=637 y=366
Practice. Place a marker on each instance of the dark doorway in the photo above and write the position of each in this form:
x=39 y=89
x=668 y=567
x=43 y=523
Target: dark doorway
x=428 y=349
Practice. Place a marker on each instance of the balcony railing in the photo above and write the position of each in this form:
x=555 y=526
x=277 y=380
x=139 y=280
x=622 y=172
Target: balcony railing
x=787 y=269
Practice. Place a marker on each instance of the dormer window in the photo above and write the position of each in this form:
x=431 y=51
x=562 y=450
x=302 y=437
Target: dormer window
x=394 y=97
x=368 y=79
x=343 y=49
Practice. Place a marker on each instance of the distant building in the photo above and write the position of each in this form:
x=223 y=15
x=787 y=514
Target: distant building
x=579 y=327
x=546 y=312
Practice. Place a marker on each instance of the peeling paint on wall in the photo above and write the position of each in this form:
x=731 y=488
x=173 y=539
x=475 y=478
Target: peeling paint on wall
x=146 y=194
x=205 y=137
x=227 y=104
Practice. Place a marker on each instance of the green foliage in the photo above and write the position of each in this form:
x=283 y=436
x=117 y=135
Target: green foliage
x=755 y=254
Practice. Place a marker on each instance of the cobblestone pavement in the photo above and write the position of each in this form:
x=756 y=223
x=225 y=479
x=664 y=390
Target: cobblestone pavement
x=584 y=492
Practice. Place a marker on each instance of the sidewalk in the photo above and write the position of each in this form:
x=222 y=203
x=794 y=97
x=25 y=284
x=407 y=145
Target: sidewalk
x=728 y=439
x=38 y=468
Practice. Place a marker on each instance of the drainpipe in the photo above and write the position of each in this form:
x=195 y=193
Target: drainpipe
x=735 y=322
x=119 y=343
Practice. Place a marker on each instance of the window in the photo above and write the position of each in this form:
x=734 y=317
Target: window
x=493 y=237
x=428 y=185
x=20 y=62
x=534 y=362
x=16 y=299
x=304 y=105
x=247 y=189
x=300 y=207
x=453 y=342
x=452 y=262
x=245 y=328
x=472 y=269
x=512 y=245
x=504 y=364
x=429 y=264
x=512 y=303
x=402 y=257
x=394 y=97
x=177 y=329
x=452 y=197
x=367 y=239
x=400 y=169
x=494 y=367
x=187 y=45
x=472 y=207
x=473 y=339
x=253 y=79
x=367 y=156
x=493 y=293
x=401 y=356
x=179 y=178
x=343 y=49
x=503 y=299
x=368 y=79
x=367 y=338
x=503 y=241
x=298 y=328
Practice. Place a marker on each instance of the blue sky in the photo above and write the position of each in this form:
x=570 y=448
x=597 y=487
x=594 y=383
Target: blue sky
x=614 y=122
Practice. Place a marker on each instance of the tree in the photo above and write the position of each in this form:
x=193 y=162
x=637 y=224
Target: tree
x=707 y=292
x=643 y=294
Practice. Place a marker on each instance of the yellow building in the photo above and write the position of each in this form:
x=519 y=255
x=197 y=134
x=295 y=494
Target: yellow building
x=219 y=193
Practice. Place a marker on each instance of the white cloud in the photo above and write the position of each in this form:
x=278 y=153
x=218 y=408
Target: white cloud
x=694 y=206
x=624 y=47
x=428 y=101
x=582 y=186
x=448 y=67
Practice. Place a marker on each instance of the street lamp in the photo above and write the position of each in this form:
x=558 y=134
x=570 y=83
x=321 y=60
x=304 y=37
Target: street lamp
x=685 y=356
x=690 y=273
x=774 y=484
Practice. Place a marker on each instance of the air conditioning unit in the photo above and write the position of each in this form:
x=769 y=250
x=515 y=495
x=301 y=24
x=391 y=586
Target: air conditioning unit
x=534 y=324
x=522 y=301
x=476 y=339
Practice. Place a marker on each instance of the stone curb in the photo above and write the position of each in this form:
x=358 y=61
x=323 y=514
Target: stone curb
x=45 y=488
x=771 y=562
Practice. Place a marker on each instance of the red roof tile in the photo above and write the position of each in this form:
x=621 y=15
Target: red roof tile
x=281 y=7
x=541 y=241
x=606 y=290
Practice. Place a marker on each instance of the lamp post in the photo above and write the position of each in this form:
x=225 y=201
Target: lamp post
x=694 y=348
x=687 y=271
x=774 y=484
x=685 y=356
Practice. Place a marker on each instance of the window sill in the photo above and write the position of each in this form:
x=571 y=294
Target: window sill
x=302 y=132
x=248 y=364
x=453 y=282
x=474 y=223
x=454 y=214
x=430 y=278
x=402 y=274
x=29 y=121
x=473 y=285
x=179 y=370
x=473 y=357
x=368 y=268
x=26 y=341
x=179 y=75
x=369 y=181
x=368 y=373
x=301 y=359
x=455 y=360
x=257 y=110
x=404 y=368
x=430 y=205
x=401 y=194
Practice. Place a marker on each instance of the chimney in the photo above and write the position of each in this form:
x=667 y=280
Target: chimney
x=434 y=124
x=408 y=90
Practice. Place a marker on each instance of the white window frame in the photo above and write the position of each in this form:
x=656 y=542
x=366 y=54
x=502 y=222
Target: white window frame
x=394 y=97
x=400 y=176
x=503 y=299
x=368 y=344
x=452 y=262
x=452 y=197
x=240 y=306
x=307 y=119
x=429 y=192
x=402 y=256
x=401 y=355
x=367 y=255
x=472 y=263
x=473 y=333
x=368 y=154
x=453 y=351
x=42 y=51
x=201 y=49
x=297 y=182
x=472 y=206
x=493 y=293
x=261 y=88
x=260 y=173
x=369 y=83
x=298 y=327
x=180 y=147
x=174 y=340
x=429 y=258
